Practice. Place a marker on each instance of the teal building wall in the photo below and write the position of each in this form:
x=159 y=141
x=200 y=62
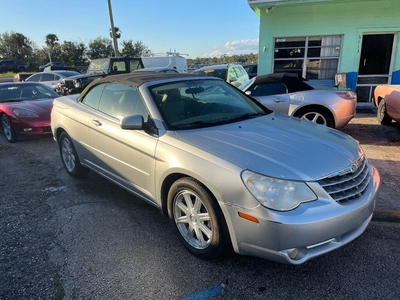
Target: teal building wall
x=348 y=18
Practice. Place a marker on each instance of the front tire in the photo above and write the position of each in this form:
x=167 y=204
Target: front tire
x=316 y=115
x=381 y=114
x=197 y=219
x=8 y=129
x=69 y=157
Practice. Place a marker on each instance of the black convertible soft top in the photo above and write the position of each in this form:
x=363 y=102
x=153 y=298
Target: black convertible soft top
x=294 y=82
x=136 y=79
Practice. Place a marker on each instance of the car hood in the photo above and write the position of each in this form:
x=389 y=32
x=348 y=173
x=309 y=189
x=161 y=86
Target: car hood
x=34 y=105
x=279 y=146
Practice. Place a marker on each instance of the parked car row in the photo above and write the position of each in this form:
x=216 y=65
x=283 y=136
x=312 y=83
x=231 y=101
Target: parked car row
x=228 y=172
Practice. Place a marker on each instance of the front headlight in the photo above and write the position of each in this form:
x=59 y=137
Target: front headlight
x=24 y=113
x=77 y=84
x=275 y=193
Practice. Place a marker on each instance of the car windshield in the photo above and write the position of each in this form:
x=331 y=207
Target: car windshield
x=99 y=66
x=21 y=92
x=197 y=103
x=220 y=73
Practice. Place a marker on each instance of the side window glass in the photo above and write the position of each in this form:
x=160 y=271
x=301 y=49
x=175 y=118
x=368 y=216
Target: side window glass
x=134 y=65
x=47 y=77
x=131 y=103
x=232 y=73
x=35 y=78
x=119 y=101
x=109 y=100
x=239 y=72
x=93 y=96
x=268 y=89
x=119 y=66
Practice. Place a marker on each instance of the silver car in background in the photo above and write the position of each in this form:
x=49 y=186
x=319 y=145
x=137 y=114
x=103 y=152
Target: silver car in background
x=51 y=78
x=289 y=94
x=228 y=172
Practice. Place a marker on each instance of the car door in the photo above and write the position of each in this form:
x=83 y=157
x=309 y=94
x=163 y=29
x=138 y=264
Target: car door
x=273 y=95
x=78 y=123
x=34 y=78
x=49 y=79
x=124 y=156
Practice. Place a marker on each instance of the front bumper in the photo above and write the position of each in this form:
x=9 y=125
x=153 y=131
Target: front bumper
x=306 y=232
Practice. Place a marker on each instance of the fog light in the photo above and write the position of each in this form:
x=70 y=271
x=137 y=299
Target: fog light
x=297 y=253
x=28 y=129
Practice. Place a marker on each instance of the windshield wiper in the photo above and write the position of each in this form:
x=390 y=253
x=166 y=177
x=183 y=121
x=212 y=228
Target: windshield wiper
x=12 y=100
x=247 y=116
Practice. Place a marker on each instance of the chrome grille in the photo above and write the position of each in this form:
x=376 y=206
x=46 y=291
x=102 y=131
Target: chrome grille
x=348 y=186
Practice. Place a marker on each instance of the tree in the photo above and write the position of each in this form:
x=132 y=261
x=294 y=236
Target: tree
x=118 y=33
x=73 y=53
x=15 y=45
x=100 y=48
x=51 y=42
x=136 y=49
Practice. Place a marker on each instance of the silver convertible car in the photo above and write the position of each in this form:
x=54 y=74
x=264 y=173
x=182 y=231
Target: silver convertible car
x=228 y=172
x=289 y=94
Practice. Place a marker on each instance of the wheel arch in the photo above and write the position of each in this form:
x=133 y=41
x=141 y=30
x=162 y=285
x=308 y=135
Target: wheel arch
x=326 y=109
x=167 y=183
x=225 y=222
x=378 y=100
x=1 y=115
x=58 y=132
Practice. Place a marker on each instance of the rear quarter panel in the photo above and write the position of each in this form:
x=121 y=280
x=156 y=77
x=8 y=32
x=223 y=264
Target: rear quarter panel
x=391 y=94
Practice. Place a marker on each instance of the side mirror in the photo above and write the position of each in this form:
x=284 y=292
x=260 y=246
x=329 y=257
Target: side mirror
x=134 y=122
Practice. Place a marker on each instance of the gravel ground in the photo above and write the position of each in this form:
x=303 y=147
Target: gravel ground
x=25 y=237
x=31 y=264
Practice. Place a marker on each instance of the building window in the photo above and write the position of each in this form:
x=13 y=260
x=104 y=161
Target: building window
x=314 y=57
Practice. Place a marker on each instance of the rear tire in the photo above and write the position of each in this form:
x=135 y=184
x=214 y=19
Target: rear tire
x=316 y=115
x=381 y=114
x=70 y=158
x=8 y=129
x=197 y=219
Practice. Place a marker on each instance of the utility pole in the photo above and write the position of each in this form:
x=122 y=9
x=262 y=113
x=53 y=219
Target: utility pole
x=113 y=29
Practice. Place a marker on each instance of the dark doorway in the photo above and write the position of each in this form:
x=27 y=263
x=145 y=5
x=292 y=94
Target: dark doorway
x=374 y=67
x=376 y=53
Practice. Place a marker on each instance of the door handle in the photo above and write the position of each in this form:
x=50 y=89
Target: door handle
x=279 y=100
x=96 y=122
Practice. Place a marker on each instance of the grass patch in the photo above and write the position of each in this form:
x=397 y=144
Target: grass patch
x=60 y=290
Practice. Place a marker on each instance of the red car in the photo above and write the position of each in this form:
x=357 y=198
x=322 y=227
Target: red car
x=25 y=109
x=19 y=77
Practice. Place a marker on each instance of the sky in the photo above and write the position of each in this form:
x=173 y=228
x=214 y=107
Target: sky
x=198 y=28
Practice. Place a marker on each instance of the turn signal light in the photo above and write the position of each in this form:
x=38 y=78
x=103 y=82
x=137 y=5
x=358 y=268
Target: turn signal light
x=248 y=217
